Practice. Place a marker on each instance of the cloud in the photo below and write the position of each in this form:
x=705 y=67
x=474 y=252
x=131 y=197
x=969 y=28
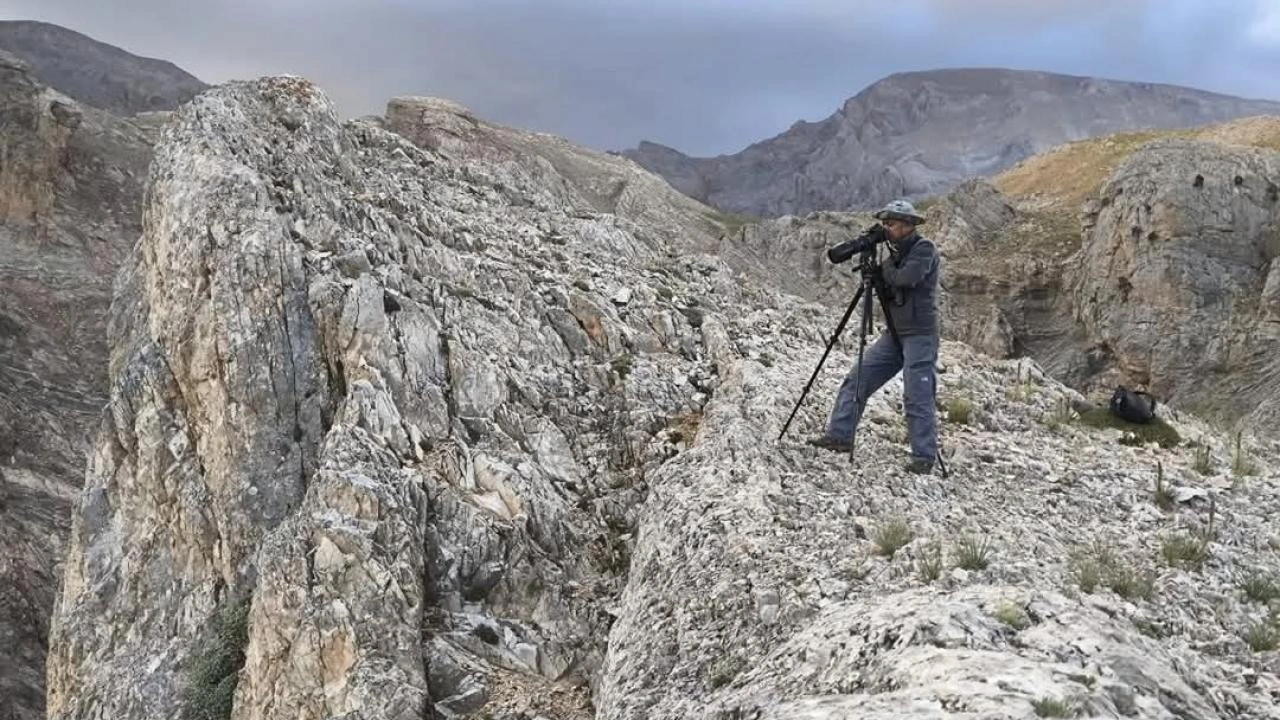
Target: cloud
x=706 y=76
x=1265 y=28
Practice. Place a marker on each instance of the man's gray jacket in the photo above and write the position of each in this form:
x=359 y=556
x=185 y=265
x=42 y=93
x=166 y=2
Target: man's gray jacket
x=912 y=276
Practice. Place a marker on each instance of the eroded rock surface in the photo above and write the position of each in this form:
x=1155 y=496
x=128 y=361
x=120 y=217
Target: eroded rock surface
x=788 y=607
x=330 y=342
x=1178 y=278
x=70 y=191
x=459 y=441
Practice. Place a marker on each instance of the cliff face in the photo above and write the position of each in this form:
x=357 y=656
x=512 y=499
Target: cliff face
x=394 y=401
x=70 y=189
x=916 y=134
x=1178 y=279
x=95 y=73
x=413 y=424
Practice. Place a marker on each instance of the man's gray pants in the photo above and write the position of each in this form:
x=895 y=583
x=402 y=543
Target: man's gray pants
x=917 y=358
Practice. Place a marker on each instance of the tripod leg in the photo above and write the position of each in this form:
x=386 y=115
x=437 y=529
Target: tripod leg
x=862 y=345
x=830 y=343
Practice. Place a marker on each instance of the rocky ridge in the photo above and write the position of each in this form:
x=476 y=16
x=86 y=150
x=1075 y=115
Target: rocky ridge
x=70 y=195
x=917 y=134
x=449 y=437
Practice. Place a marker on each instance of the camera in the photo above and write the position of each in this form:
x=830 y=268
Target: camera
x=864 y=242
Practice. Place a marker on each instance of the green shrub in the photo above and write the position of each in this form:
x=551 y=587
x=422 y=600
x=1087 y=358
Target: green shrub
x=1185 y=550
x=216 y=665
x=1263 y=636
x=1052 y=708
x=959 y=410
x=973 y=554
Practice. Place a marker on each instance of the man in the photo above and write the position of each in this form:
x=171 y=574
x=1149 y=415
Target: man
x=911 y=275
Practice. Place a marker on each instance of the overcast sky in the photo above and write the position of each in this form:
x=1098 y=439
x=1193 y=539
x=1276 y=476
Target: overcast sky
x=703 y=76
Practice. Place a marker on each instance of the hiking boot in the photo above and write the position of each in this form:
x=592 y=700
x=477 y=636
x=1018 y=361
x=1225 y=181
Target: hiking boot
x=920 y=466
x=826 y=442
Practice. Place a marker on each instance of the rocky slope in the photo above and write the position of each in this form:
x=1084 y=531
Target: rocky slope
x=1144 y=259
x=70 y=194
x=96 y=73
x=405 y=424
x=915 y=134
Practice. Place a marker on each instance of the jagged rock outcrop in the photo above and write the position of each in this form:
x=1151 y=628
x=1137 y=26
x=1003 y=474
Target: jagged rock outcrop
x=915 y=134
x=560 y=174
x=377 y=392
x=70 y=192
x=1177 y=278
x=1159 y=278
x=96 y=73
x=452 y=446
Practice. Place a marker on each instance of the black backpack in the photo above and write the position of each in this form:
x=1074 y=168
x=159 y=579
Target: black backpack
x=1136 y=406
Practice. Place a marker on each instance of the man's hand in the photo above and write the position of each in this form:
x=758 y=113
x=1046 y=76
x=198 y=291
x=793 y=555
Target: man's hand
x=922 y=258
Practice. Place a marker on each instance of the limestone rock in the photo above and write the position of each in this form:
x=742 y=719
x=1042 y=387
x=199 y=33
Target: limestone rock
x=70 y=195
x=1175 y=273
x=371 y=393
x=367 y=392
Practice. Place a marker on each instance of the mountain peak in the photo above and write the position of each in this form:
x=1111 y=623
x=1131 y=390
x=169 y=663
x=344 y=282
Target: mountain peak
x=97 y=73
x=917 y=133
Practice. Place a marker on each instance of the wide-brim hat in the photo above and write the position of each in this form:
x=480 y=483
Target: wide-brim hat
x=900 y=210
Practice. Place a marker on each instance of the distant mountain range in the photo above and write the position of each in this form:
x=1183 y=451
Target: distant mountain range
x=95 y=73
x=916 y=134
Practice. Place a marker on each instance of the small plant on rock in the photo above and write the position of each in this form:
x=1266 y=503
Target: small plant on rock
x=1263 y=636
x=1061 y=415
x=1052 y=708
x=1099 y=566
x=1129 y=582
x=724 y=670
x=973 y=554
x=1190 y=550
x=893 y=536
x=1203 y=462
x=216 y=665
x=1241 y=463
x=1012 y=615
x=622 y=364
x=1021 y=392
x=1261 y=587
x=1087 y=573
x=1185 y=550
x=959 y=410
x=929 y=564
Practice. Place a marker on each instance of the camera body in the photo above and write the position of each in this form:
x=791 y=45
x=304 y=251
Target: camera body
x=869 y=238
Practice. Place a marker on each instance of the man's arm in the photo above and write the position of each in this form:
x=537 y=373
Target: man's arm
x=920 y=260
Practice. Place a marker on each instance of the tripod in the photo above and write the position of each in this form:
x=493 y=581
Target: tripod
x=872 y=282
